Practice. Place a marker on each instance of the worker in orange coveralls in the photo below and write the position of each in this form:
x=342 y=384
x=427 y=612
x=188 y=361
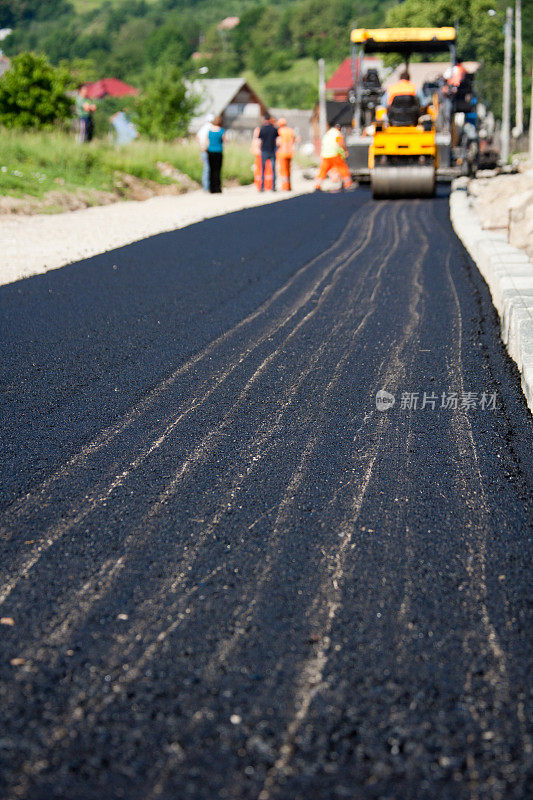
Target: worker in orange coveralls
x=255 y=150
x=333 y=155
x=285 y=152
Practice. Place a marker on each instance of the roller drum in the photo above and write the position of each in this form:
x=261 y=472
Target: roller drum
x=408 y=181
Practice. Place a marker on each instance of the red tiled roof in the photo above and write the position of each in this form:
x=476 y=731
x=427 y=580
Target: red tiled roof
x=110 y=86
x=342 y=77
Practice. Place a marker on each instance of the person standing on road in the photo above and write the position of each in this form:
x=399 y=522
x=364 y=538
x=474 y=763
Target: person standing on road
x=268 y=135
x=84 y=110
x=285 y=153
x=333 y=156
x=202 y=137
x=215 y=148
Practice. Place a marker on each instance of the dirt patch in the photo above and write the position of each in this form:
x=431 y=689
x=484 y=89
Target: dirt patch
x=55 y=201
x=184 y=182
x=505 y=203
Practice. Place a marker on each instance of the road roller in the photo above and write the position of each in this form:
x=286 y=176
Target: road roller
x=403 y=157
x=400 y=153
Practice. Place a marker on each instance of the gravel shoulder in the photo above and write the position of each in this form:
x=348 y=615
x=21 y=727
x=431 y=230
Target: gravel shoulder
x=35 y=244
x=504 y=203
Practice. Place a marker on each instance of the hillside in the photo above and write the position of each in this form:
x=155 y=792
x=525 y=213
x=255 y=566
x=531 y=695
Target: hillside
x=128 y=38
x=275 y=44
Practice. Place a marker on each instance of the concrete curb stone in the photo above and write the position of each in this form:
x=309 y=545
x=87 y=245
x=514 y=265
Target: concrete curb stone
x=509 y=275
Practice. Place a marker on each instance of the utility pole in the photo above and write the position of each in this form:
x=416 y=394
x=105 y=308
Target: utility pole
x=322 y=112
x=506 y=106
x=531 y=122
x=519 y=123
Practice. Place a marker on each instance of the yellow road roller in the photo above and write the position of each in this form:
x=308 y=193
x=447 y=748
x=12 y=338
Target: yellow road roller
x=403 y=154
x=403 y=160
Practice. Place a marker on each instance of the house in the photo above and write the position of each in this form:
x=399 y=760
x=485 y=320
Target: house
x=339 y=85
x=232 y=99
x=297 y=119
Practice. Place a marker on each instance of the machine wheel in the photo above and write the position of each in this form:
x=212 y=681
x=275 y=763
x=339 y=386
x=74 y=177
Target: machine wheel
x=408 y=181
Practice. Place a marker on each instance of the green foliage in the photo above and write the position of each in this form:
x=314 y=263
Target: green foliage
x=35 y=163
x=164 y=110
x=129 y=38
x=480 y=35
x=80 y=70
x=32 y=93
x=13 y=12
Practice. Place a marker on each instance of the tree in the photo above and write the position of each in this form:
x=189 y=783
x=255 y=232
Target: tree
x=164 y=109
x=480 y=35
x=32 y=93
x=12 y=12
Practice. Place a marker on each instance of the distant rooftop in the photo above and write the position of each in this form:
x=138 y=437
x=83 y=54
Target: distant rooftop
x=219 y=96
x=228 y=23
x=342 y=78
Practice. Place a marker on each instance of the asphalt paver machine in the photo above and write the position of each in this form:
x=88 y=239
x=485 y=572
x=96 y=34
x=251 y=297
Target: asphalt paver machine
x=408 y=147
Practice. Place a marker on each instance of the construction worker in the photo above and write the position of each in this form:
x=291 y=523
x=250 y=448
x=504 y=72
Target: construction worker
x=333 y=156
x=268 y=135
x=401 y=87
x=455 y=75
x=285 y=153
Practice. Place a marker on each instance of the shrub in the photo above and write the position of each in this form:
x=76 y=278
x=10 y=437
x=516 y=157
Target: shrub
x=164 y=109
x=32 y=93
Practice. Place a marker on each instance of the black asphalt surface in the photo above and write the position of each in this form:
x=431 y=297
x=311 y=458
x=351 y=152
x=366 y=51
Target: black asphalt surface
x=230 y=575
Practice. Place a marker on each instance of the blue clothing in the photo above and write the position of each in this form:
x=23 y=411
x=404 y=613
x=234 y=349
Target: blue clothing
x=125 y=130
x=205 y=170
x=471 y=116
x=215 y=141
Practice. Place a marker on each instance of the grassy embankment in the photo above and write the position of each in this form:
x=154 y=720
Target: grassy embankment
x=36 y=163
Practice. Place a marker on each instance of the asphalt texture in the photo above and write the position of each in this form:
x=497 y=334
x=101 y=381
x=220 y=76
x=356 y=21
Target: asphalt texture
x=224 y=572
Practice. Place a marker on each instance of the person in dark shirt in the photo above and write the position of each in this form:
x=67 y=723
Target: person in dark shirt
x=268 y=136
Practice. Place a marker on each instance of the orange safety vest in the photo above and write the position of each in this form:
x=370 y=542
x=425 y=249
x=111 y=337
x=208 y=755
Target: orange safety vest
x=400 y=88
x=255 y=147
x=286 y=142
x=458 y=73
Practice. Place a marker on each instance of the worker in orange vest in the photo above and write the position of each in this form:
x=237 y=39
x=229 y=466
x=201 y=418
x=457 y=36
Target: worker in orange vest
x=333 y=153
x=255 y=150
x=401 y=87
x=456 y=75
x=285 y=152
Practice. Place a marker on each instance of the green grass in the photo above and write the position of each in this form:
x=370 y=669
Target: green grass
x=35 y=163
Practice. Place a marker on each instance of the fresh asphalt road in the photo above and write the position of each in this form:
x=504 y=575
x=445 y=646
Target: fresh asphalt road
x=230 y=575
